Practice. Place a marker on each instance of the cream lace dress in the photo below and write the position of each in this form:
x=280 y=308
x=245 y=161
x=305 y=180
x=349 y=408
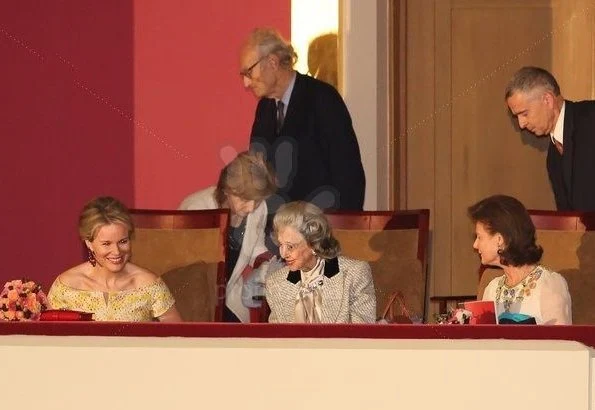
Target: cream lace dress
x=543 y=295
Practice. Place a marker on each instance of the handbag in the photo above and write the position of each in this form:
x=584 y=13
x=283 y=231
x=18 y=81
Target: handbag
x=395 y=310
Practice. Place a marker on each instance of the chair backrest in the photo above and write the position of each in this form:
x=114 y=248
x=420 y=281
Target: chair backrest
x=187 y=249
x=395 y=244
x=568 y=241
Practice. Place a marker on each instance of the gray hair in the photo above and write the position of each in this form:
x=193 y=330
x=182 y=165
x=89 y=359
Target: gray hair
x=269 y=41
x=309 y=220
x=528 y=79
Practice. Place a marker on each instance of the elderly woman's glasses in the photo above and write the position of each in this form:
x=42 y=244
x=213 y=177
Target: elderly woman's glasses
x=289 y=247
x=248 y=71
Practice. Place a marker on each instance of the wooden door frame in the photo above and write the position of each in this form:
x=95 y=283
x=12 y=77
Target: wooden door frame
x=397 y=61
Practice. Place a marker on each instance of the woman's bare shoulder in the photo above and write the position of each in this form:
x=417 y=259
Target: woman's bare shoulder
x=141 y=276
x=74 y=276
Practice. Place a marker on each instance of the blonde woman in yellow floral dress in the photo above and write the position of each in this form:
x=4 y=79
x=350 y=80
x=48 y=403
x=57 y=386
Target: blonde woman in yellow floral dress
x=527 y=292
x=108 y=285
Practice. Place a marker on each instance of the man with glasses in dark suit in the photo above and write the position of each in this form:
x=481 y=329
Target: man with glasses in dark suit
x=303 y=126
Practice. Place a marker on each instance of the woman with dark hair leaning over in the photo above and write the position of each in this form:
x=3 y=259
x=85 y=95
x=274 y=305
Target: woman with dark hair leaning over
x=316 y=285
x=527 y=292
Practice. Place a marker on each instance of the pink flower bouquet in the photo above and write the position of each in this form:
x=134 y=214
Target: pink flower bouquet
x=455 y=317
x=22 y=300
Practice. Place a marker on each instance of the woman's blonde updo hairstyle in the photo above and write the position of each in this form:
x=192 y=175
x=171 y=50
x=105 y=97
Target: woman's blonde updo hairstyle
x=103 y=210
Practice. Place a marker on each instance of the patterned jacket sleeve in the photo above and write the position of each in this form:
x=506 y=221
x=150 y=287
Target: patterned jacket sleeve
x=273 y=315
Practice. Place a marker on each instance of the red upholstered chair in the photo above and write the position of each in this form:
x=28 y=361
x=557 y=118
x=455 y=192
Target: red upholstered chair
x=395 y=244
x=568 y=241
x=187 y=249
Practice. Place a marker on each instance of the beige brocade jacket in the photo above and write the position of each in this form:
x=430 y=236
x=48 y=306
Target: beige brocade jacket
x=347 y=293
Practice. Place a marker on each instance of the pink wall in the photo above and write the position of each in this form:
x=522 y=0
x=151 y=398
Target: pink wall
x=65 y=95
x=189 y=100
x=121 y=97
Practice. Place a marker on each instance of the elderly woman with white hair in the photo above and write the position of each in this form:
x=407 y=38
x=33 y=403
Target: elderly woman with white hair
x=316 y=285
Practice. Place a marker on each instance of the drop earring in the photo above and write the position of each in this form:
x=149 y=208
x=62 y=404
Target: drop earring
x=500 y=257
x=91 y=257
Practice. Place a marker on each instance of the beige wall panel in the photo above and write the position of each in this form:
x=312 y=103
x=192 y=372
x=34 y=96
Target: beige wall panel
x=462 y=145
x=419 y=139
x=573 y=45
x=420 y=104
x=443 y=147
x=157 y=373
x=488 y=155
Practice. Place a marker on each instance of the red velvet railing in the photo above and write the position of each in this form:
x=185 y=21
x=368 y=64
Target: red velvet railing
x=582 y=334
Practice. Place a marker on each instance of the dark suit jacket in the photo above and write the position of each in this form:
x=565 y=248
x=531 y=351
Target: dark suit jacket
x=316 y=153
x=572 y=174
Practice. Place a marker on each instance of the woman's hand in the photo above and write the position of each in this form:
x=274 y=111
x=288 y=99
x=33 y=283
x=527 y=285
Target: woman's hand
x=172 y=315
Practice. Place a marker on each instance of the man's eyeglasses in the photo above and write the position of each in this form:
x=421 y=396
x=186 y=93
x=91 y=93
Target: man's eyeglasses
x=248 y=71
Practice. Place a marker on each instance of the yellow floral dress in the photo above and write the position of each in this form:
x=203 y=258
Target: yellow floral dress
x=134 y=305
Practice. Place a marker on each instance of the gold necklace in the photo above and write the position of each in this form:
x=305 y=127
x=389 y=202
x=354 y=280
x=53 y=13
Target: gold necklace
x=525 y=276
x=508 y=295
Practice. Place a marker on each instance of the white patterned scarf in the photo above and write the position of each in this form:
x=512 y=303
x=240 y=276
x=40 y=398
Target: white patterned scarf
x=308 y=302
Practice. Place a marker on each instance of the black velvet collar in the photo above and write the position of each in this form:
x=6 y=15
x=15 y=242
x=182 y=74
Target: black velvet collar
x=331 y=268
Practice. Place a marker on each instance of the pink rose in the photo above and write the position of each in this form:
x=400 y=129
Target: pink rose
x=13 y=295
x=42 y=298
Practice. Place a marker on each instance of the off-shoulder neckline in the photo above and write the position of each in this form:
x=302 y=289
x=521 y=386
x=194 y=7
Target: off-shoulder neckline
x=154 y=283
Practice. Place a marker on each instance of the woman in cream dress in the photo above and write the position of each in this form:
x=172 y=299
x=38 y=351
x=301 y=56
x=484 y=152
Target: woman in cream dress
x=527 y=292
